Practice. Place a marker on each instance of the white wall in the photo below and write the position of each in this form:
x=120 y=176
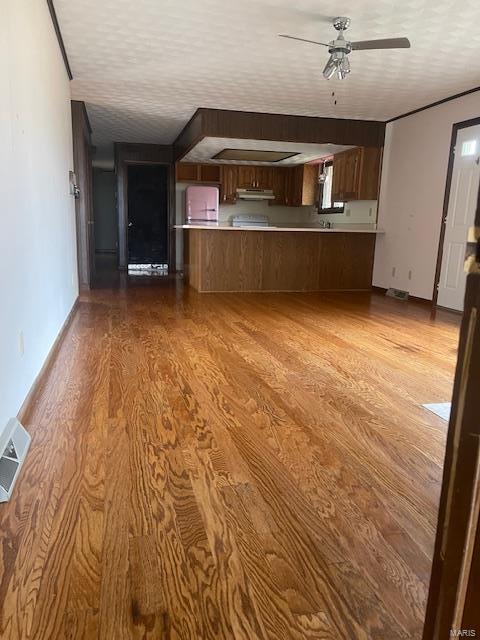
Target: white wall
x=38 y=264
x=412 y=192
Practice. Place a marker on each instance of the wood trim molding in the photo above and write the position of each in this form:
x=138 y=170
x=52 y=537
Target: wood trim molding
x=434 y=104
x=82 y=162
x=29 y=402
x=132 y=153
x=58 y=33
x=453 y=592
x=451 y=158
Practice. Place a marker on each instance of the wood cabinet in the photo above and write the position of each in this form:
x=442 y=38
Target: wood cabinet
x=301 y=185
x=235 y=177
x=247 y=176
x=356 y=174
x=259 y=177
x=292 y=186
x=228 y=183
x=259 y=260
x=189 y=172
x=279 y=186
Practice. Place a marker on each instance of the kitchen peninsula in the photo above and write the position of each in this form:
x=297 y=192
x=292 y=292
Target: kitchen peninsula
x=303 y=258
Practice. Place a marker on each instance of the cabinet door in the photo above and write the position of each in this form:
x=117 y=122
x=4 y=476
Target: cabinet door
x=309 y=184
x=210 y=173
x=338 y=177
x=228 y=183
x=246 y=176
x=279 y=178
x=294 y=186
x=264 y=177
x=370 y=173
x=187 y=172
x=351 y=174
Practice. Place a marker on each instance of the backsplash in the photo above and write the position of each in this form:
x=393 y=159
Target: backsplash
x=360 y=212
x=226 y=212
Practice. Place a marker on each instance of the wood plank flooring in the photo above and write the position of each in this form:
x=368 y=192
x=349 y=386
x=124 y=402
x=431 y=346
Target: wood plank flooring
x=239 y=467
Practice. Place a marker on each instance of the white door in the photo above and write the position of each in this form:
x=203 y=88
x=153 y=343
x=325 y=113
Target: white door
x=460 y=216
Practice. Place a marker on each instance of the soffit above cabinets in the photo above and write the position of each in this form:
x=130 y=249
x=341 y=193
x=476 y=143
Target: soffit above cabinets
x=209 y=147
x=144 y=67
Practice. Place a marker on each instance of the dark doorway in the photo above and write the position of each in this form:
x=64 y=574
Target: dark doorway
x=147 y=214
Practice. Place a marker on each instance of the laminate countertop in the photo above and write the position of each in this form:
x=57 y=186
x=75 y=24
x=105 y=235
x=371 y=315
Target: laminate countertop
x=315 y=228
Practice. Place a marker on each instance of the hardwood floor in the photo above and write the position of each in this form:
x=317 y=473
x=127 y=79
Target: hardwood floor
x=244 y=467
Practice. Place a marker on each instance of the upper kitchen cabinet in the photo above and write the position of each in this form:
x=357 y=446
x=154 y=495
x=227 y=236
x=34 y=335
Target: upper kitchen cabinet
x=301 y=185
x=246 y=176
x=188 y=172
x=228 y=183
x=356 y=174
x=257 y=177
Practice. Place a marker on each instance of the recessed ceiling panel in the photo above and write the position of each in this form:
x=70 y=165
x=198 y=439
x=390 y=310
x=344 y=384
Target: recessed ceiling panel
x=254 y=155
x=144 y=67
x=259 y=151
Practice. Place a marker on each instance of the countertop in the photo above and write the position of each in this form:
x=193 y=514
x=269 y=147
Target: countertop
x=341 y=228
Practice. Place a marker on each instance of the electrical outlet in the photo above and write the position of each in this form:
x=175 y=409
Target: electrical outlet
x=21 y=343
x=410 y=274
x=394 y=269
x=347 y=213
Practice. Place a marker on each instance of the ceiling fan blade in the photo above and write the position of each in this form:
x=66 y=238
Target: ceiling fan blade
x=323 y=44
x=387 y=43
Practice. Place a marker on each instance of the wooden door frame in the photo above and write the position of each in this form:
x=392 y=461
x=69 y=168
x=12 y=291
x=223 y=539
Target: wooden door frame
x=464 y=124
x=143 y=154
x=82 y=164
x=455 y=579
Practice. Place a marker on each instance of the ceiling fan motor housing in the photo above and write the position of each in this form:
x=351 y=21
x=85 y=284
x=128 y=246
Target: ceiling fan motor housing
x=340 y=45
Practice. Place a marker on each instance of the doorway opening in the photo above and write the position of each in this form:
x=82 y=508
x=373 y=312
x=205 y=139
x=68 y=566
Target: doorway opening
x=147 y=228
x=463 y=179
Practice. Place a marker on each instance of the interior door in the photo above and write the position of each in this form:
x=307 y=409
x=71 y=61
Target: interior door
x=460 y=216
x=147 y=214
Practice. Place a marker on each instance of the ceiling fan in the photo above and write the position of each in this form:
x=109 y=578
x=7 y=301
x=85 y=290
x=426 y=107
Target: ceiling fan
x=339 y=49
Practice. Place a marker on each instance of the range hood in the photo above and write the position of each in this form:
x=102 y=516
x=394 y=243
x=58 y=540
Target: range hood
x=255 y=194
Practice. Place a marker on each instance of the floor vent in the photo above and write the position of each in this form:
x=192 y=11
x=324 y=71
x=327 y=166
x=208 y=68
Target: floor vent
x=14 y=443
x=397 y=293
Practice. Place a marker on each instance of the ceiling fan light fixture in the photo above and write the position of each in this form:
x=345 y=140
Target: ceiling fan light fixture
x=343 y=67
x=330 y=68
x=338 y=64
x=339 y=48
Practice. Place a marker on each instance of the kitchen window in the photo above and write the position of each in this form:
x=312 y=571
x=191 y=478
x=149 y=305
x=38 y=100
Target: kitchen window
x=325 y=204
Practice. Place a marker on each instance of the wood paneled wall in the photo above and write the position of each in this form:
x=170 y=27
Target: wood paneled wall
x=278 y=260
x=223 y=123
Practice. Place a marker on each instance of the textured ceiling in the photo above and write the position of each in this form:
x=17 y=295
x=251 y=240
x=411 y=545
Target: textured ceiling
x=144 y=66
x=208 y=147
